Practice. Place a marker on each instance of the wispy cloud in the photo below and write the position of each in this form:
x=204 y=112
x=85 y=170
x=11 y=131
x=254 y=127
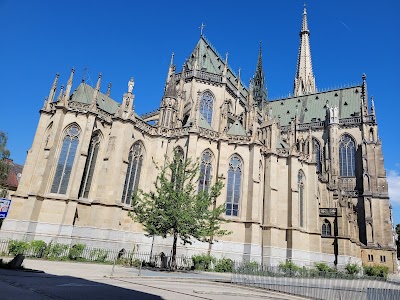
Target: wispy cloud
x=393 y=178
x=344 y=24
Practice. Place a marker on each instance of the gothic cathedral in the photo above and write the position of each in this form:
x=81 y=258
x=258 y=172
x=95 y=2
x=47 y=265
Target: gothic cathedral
x=303 y=176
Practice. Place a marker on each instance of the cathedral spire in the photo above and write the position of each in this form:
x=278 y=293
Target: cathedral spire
x=304 y=82
x=170 y=90
x=258 y=81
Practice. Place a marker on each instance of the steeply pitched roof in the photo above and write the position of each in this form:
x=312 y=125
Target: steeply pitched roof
x=312 y=108
x=84 y=94
x=209 y=60
x=14 y=174
x=203 y=123
x=237 y=129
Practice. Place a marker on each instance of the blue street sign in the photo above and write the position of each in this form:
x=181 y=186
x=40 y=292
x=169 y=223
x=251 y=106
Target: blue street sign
x=4 y=206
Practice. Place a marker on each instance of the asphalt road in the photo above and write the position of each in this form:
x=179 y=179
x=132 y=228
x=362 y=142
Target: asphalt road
x=65 y=280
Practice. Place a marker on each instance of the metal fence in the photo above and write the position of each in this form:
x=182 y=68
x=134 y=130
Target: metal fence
x=79 y=252
x=313 y=284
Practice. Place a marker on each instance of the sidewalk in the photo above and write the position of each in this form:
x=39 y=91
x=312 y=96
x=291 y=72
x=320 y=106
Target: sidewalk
x=92 y=270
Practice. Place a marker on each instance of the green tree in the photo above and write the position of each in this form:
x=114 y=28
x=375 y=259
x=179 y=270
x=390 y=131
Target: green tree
x=4 y=164
x=176 y=208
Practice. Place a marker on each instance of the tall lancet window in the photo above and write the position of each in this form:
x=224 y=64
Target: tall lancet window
x=347 y=156
x=206 y=106
x=317 y=155
x=234 y=186
x=135 y=162
x=300 y=183
x=66 y=160
x=90 y=166
x=205 y=171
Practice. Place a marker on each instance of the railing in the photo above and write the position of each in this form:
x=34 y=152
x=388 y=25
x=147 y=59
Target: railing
x=313 y=284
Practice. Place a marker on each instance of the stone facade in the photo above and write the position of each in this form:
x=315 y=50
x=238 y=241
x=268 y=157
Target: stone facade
x=304 y=176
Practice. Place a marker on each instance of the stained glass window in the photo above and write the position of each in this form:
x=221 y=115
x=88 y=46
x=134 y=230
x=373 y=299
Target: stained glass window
x=89 y=166
x=66 y=160
x=135 y=162
x=205 y=171
x=347 y=156
x=234 y=186
x=206 y=106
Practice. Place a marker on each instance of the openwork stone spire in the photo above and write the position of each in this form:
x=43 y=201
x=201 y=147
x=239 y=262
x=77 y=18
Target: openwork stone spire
x=258 y=81
x=304 y=82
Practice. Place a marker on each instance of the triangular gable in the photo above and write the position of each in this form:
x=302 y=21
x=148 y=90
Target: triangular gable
x=237 y=129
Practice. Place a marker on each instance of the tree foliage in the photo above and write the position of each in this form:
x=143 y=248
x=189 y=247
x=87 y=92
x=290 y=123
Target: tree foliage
x=4 y=164
x=176 y=208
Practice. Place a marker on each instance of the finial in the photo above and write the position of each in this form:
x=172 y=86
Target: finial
x=172 y=59
x=108 y=93
x=201 y=28
x=131 y=84
x=84 y=74
x=98 y=82
x=226 y=58
x=305 y=9
x=364 y=77
x=61 y=94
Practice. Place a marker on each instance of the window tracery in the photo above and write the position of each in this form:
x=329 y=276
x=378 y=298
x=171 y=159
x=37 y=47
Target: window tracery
x=206 y=106
x=234 y=186
x=205 y=171
x=347 y=156
x=135 y=162
x=66 y=160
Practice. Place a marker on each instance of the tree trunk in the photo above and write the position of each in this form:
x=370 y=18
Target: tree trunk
x=173 y=259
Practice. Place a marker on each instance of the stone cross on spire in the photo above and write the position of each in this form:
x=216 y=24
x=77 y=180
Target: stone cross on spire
x=304 y=82
x=201 y=28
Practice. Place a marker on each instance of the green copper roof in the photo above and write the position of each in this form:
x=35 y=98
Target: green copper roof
x=84 y=94
x=203 y=123
x=312 y=108
x=237 y=129
x=209 y=60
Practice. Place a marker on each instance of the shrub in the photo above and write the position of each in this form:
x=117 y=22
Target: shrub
x=76 y=251
x=17 y=247
x=352 y=269
x=56 y=251
x=249 y=267
x=289 y=267
x=323 y=267
x=37 y=248
x=376 y=271
x=224 y=265
x=99 y=255
x=203 y=261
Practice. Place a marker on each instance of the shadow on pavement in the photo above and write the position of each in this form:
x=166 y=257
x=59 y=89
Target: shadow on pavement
x=30 y=285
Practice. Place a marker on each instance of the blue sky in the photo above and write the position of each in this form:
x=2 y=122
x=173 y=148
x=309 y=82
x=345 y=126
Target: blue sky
x=136 y=38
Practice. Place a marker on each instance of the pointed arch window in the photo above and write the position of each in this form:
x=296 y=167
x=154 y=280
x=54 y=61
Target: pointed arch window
x=347 y=156
x=234 y=186
x=135 y=162
x=300 y=182
x=90 y=166
x=317 y=155
x=205 y=171
x=66 y=160
x=206 y=106
x=326 y=228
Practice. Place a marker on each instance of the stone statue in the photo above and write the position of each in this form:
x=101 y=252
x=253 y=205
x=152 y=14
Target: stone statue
x=131 y=84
